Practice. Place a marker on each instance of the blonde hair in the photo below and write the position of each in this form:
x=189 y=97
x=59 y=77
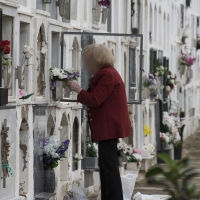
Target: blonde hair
x=100 y=54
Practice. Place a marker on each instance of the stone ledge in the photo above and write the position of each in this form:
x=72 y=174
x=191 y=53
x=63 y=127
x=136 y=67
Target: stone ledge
x=44 y=196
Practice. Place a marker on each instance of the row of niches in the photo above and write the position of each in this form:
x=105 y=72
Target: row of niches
x=66 y=130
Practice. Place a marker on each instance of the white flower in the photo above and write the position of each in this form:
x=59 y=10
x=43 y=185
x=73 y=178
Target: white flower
x=56 y=71
x=168 y=76
x=168 y=88
x=25 y=49
x=172 y=81
x=60 y=76
x=119 y=146
x=138 y=157
x=6 y=56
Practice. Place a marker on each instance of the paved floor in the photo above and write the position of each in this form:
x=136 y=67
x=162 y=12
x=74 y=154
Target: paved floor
x=191 y=149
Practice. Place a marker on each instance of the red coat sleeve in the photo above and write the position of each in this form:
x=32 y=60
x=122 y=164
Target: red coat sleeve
x=103 y=89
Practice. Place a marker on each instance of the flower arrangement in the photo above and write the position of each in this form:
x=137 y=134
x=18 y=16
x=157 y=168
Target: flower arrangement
x=23 y=94
x=105 y=3
x=170 y=82
x=164 y=138
x=5 y=52
x=27 y=53
x=127 y=152
x=151 y=81
x=53 y=151
x=159 y=70
x=148 y=149
x=77 y=157
x=187 y=60
x=147 y=131
x=91 y=150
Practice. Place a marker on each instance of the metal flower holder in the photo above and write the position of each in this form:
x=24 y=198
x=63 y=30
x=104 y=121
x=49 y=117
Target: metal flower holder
x=5 y=146
x=21 y=76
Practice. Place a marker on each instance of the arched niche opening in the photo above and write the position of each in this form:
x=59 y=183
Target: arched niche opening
x=23 y=158
x=41 y=39
x=75 y=139
x=50 y=126
x=75 y=54
x=64 y=135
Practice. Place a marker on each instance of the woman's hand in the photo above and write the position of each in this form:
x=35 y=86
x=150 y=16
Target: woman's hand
x=74 y=86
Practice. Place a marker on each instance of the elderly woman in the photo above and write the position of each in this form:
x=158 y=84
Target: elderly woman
x=107 y=113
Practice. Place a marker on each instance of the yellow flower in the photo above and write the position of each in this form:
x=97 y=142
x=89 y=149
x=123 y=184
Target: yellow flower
x=147 y=131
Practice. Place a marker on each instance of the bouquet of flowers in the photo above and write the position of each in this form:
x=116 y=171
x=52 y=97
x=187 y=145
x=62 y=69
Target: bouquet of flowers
x=187 y=60
x=164 y=138
x=134 y=157
x=57 y=74
x=53 y=151
x=173 y=107
x=151 y=82
x=168 y=122
x=147 y=131
x=159 y=70
x=122 y=148
x=148 y=149
x=105 y=3
x=4 y=47
x=170 y=83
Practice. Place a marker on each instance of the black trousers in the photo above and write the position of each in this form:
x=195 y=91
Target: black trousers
x=111 y=187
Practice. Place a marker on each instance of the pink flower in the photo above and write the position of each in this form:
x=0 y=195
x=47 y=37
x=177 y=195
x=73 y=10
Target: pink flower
x=22 y=93
x=137 y=151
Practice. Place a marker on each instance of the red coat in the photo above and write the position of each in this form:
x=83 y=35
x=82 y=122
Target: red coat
x=107 y=106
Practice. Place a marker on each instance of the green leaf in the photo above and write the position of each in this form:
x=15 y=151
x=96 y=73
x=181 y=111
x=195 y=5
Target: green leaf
x=27 y=96
x=166 y=158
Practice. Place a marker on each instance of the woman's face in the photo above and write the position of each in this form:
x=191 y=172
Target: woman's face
x=90 y=66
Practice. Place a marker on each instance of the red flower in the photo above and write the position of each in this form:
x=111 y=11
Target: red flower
x=170 y=73
x=7 y=50
x=171 y=86
x=5 y=42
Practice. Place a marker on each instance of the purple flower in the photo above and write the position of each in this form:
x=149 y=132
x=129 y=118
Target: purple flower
x=76 y=74
x=63 y=148
x=53 y=85
x=47 y=159
x=45 y=141
x=105 y=3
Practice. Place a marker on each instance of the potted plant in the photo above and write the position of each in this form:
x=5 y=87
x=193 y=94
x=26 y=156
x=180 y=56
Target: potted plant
x=91 y=159
x=152 y=84
x=53 y=151
x=59 y=79
x=176 y=178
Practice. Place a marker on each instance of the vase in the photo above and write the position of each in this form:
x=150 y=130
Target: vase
x=153 y=94
x=132 y=166
x=3 y=96
x=145 y=93
x=178 y=152
x=90 y=163
x=97 y=13
x=59 y=90
x=189 y=73
x=49 y=181
x=5 y=76
x=183 y=69
x=21 y=76
x=162 y=145
x=104 y=15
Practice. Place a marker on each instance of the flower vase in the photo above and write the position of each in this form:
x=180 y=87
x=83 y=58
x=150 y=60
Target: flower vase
x=67 y=92
x=97 y=13
x=153 y=94
x=145 y=93
x=104 y=15
x=132 y=166
x=59 y=90
x=162 y=145
x=189 y=73
x=49 y=181
x=21 y=76
x=183 y=69
x=5 y=76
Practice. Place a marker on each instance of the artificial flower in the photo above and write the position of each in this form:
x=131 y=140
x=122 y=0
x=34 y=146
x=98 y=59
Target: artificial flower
x=22 y=93
x=25 y=49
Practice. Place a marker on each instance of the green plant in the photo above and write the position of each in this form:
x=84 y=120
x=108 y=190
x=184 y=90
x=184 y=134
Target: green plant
x=176 y=180
x=91 y=151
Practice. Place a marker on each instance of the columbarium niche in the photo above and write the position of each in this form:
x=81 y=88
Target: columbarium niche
x=64 y=135
x=50 y=126
x=75 y=139
x=41 y=39
x=23 y=158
